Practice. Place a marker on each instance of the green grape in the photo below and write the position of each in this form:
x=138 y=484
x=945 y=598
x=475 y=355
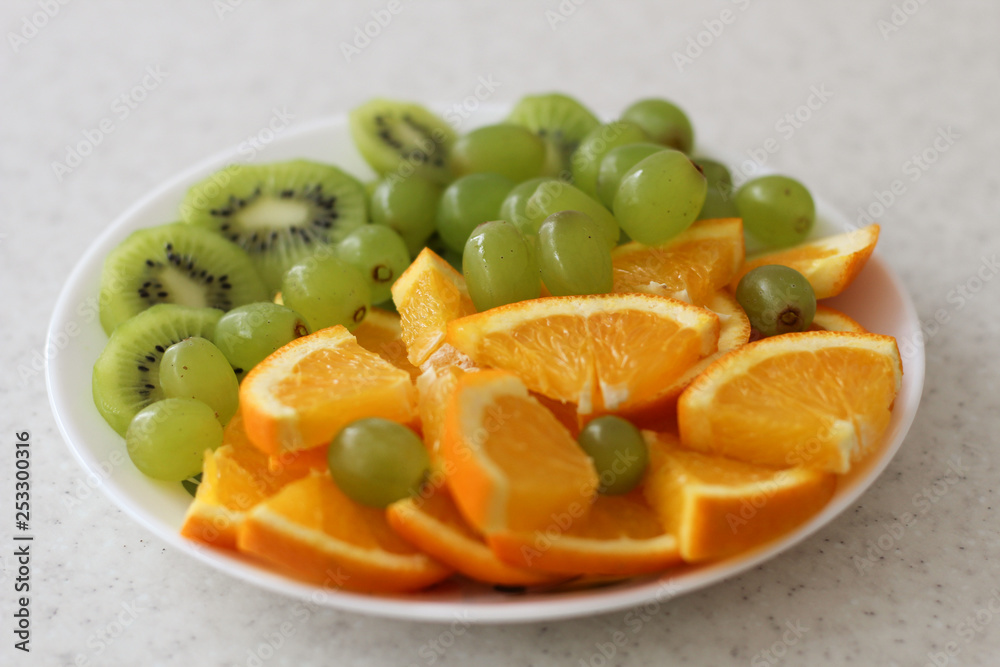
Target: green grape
x=573 y=257
x=586 y=160
x=195 y=368
x=499 y=266
x=660 y=197
x=616 y=164
x=618 y=451
x=379 y=253
x=509 y=150
x=512 y=209
x=719 y=200
x=376 y=462
x=408 y=205
x=249 y=334
x=167 y=440
x=555 y=196
x=776 y=210
x=467 y=202
x=664 y=122
x=327 y=291
x=777 y=299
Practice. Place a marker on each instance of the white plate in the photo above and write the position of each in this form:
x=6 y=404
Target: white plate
x=877 y=300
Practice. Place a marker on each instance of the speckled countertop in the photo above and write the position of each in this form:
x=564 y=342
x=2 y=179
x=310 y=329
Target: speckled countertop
x=894 y=76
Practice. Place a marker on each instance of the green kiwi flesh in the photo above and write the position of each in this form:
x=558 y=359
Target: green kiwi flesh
x=175 y=263
x=403 y=138
x=126 y=374
x=279 y=213
x=558 y=119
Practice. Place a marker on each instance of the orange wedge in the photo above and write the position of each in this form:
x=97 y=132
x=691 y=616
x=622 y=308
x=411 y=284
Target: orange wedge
x=509 y=463
x=690 y=267
x=620 y=536
x=235 y=478
x=313 y=531
x=829 y=264
x=734 y=331
x=717 y=507
x=607 y=352
x=435 y=387
x=829 y=319
x=819 y=399
x=435 y=526
x=428 y=295
x=303 y=394
x=381 y=333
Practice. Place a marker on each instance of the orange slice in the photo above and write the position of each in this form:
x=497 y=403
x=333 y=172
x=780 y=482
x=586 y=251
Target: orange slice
x=303 y=394
x=690 y=267
x=620 y=536
x=734 y=331
x=829 y=319
x=381 y=333
x=509 y=463
x=428 y=295
x=235 y=478
x=435 y=387
x=435 y=526
x=717 y=507
x=313 y=531
x=829 y=264
x=606 y=352
x=820 y=399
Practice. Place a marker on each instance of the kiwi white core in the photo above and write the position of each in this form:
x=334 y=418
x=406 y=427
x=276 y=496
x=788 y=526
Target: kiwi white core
x=182 y=289
x=270 y=212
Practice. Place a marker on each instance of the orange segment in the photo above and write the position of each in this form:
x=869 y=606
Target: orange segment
x=620 y=536
x=829 y=319
x=817 y=398
x=717 y=507
x=313 y=531
x=235 y=478
x=734 y=331
x=829 y=264
x=428 y=295
x=303 y=394
x=603 y=352
x=509 y=463
x=435 y=388
x=381 y=333
x=434 y=525
x=690 y=267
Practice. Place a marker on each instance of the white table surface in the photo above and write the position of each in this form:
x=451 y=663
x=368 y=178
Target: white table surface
x=222 y=74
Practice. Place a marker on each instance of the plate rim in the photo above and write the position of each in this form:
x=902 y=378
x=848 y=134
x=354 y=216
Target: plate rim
x=566 y=605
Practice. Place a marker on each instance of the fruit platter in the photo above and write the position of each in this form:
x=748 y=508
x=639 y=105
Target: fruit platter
x=520 y=369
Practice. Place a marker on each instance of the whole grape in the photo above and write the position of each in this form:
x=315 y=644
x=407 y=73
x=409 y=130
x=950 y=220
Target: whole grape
x=777 y=300
x=664 y=122
x=660 y=197
x=499 y=266
x=409 y=206
x=327 y=291
x=376 y=462
x=777 y=210
x=167 y=440
x=248 y=334
x=195 y=368
x=379 y=253
x=466 y=203
x=618 y=451
x=573 y=256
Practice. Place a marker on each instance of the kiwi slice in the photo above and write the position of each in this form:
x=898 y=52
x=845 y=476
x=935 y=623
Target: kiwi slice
x=127 y=373
x=279 y=213
x=175 y=263
x=403 y=138
x=558 y=119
